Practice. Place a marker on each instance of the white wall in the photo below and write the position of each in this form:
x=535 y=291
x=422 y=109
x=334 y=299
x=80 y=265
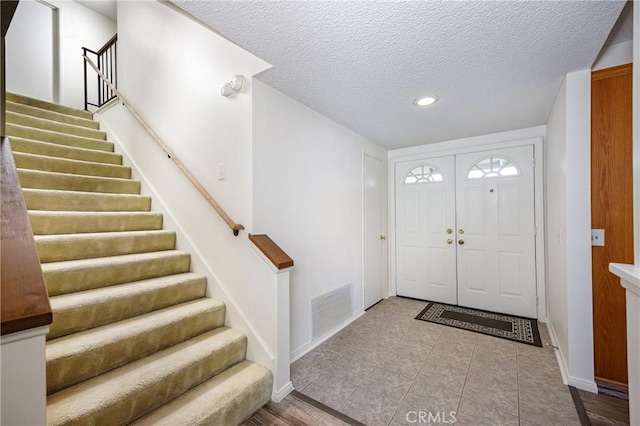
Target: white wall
x=29 y=51
x=569 y=228
x=556 y=224
x=38 y=48
x=307 y=195
x=614 y=55
x=171 y=71
x=79 y=27
x=636 y=133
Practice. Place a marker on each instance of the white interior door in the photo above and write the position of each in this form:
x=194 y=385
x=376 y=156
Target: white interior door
x=374 y=229
x=496 y=231
x=425 y=213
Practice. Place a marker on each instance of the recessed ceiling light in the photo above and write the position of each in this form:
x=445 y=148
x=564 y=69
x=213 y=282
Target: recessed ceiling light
x=426 y=101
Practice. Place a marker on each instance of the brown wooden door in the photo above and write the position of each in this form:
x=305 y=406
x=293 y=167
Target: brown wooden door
x=611 y=210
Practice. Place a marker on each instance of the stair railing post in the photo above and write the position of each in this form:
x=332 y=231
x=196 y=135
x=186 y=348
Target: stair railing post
x=86 y=104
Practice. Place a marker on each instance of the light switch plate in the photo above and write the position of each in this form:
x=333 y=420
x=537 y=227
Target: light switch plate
x=222 y=171
x=597 y=237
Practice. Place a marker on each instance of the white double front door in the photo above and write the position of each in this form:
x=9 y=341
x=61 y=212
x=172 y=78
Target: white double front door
x=465 y=230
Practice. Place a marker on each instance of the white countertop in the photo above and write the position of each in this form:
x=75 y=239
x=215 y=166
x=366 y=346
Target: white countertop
x=629 y=274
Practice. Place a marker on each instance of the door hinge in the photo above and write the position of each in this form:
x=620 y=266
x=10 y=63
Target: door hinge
x=534 y=162
x=537 y=301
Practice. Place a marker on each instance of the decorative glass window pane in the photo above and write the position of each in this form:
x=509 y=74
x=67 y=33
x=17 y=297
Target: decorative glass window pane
x=493 y=167
x=424 y=173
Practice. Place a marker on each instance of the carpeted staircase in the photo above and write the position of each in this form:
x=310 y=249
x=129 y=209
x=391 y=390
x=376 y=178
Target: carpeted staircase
x=134 y=338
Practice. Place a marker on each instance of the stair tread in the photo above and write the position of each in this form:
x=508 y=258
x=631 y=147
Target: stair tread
x=209 y=404
x=102 y=336
x=46 y=222
x=41 y=103
x=58 y=200
x=52 y=125
x=87 y=309
x=111 y=260
x=87 y=237
x=86 y=354
x=128 y=392
x=66 y=165
x=16 y=130
x=51 y=115
x=36 y=179
x=54 y=150
x=83 y=274
x=61 y=247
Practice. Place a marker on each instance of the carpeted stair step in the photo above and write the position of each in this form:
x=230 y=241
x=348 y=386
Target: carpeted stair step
x=38 y=103
x=57 y=137
x=226 y=399
x=45 y=199
x=81 y=356
x=54 y=126
x=58 y=248
x=131 y=391
x=68 y=182
x=72 y=222
x=52 y=115
x=85 y=274
x=83 y=310
x=76 y=167
x=29 y=146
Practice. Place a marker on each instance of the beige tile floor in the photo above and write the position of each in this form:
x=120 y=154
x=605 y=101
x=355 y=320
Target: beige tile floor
x=387 y=368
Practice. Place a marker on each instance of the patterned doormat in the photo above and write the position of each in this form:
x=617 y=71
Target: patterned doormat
x=518 y=329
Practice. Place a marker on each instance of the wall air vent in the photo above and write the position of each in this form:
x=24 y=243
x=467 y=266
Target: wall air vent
x=330 y=310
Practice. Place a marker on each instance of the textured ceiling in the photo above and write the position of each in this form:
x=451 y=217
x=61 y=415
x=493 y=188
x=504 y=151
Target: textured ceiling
x=495 y=66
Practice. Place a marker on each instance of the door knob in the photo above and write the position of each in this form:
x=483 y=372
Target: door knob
x=449 y=230
x=449 y=241
x=460 y=231
x=382 y=237
x=461 y=242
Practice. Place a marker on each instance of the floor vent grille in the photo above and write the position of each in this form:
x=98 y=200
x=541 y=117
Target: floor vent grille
x=330 y=310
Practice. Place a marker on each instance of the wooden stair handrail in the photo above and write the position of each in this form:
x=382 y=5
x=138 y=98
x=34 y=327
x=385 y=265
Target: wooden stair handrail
x=272 y=251
x=235 y=227
x=25 y=302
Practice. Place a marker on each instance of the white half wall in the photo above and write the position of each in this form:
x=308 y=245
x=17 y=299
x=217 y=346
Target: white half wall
x=308 y=196
x=44 y=49
x=569 y=228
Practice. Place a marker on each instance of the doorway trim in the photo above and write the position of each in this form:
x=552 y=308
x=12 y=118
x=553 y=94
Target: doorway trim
x=463 y=146
x=386 y=290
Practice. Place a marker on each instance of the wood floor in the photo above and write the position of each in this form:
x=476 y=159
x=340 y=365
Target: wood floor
x=294 y=410
x=605 y=410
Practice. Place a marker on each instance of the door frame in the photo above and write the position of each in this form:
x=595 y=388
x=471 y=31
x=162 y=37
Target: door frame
x=386 y=291
x=464 y=146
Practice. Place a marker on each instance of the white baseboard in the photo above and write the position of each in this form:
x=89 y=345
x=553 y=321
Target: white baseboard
x=587 y=385
x=281 y=394
x=559 y=355
x=308 y=347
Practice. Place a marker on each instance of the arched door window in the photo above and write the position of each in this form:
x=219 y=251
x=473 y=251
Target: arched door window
x=425 y=173
x=491 y=167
